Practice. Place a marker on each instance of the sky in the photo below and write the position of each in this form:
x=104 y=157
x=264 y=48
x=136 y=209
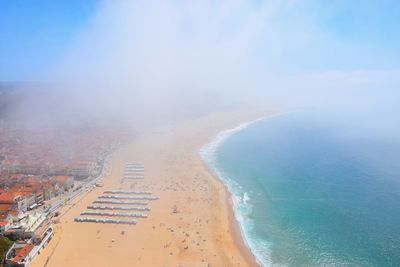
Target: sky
x=296 y=35
x=340 y=35
x=35 y=34
x=115 y=57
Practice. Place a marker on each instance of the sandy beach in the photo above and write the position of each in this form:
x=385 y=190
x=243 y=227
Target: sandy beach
x=201 y=232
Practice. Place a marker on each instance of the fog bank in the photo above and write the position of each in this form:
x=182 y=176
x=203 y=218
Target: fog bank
x=154 y=60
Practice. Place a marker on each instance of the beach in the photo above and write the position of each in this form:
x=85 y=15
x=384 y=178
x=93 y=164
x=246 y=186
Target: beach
x=191 y=224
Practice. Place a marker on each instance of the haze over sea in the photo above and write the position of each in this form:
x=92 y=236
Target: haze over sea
x=309 y=193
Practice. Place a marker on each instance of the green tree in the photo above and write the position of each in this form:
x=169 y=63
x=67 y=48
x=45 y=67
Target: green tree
x=5 y=245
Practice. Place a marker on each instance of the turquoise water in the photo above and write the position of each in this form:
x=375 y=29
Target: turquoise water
x=310 y=194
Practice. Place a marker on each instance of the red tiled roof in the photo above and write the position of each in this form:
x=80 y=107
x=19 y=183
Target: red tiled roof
x=8 y=197
x=14 y=213
x=23 y=252
x=6 y=207
x=62 y=179
x=48 y=185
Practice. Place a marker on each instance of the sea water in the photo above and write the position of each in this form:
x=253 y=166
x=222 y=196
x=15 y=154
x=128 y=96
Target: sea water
x=308 y=193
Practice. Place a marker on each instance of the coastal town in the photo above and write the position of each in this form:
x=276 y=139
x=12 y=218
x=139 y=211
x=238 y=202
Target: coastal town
x=38 y=176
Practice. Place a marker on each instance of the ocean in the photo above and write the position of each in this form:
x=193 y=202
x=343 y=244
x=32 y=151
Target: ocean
x=310 y=193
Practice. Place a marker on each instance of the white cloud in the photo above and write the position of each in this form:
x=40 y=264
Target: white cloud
x=161 y=55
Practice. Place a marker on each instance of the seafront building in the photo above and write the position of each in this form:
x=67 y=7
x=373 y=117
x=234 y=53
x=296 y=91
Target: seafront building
x=41 y=168
x=22 y=253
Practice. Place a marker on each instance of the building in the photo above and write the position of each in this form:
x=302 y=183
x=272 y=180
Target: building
x=66 y=182
x=19 y=255
x=22 y=253
x=17 y=199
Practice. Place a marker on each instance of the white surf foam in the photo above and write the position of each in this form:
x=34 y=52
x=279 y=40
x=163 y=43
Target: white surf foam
x=241 y=206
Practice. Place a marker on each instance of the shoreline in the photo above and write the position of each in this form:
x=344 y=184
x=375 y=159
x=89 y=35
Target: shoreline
x=206 y=153
x=208 y=150
x=234 y=224
x=205 y=229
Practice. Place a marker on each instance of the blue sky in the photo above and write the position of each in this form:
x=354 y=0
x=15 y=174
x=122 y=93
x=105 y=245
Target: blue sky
x=34 y=34
x=309 y=35
x=338 y=35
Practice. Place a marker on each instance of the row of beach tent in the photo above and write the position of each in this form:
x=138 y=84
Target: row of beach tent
x=126 y=192
x=128 y=197
x=128 y=208
x=120 y=202
x=133 y=171
x=101 y=220
x=118 y=214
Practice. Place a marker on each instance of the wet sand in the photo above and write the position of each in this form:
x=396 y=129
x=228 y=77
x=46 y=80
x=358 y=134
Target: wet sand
x=201 y=232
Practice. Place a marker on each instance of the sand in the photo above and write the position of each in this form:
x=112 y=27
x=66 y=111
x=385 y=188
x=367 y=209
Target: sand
x=202 y=231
